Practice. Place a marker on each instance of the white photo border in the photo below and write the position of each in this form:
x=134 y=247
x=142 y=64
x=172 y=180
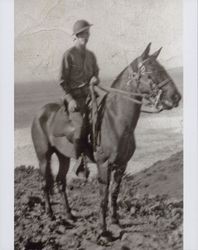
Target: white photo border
x=7 y=125
x=190 y=124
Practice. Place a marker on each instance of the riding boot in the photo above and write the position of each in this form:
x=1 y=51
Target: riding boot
x=89 y=151
x=79 y=165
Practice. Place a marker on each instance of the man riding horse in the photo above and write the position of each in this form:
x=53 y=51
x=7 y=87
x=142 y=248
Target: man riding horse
x=144 y=76
x=79 y=71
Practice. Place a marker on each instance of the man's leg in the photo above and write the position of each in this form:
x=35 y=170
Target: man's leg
x=77 y=121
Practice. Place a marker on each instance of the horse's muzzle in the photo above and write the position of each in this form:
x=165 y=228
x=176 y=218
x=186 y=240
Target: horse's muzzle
x=171 y=103
x=176 y=100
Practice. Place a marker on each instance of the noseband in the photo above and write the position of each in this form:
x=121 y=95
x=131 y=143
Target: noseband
x=156 y=92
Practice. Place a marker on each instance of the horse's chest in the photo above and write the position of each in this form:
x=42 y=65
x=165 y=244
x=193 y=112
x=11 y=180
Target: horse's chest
x=118 y=149
x=126 y=145
x=117 y=137
x=125 y=148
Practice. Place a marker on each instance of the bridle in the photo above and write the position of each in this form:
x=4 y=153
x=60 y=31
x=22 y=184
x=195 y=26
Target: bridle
x=152 y=98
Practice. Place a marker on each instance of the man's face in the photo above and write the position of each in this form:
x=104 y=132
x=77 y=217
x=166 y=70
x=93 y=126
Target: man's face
x=83 y=37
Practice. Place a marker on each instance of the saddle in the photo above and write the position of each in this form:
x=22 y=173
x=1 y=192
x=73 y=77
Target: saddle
x=62 y=125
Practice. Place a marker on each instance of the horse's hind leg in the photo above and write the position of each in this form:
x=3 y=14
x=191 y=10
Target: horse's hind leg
x=104 y=179
x=61 y=180
x=116 y=179
x=46 y=173
x=43 y=151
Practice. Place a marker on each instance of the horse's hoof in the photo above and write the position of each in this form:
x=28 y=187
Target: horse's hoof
x=105 y=238
x=115 y=221
x=81 y=169
x=71 y=217
x=82 y=176
x=50 y=215
x=116 y=230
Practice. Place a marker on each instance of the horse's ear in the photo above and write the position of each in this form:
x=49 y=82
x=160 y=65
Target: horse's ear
x=156 y=54
x=145 y=54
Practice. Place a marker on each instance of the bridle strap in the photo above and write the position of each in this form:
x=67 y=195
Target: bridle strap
x=128 y=95
x=136 y=76
x=130 y=98
x=120 y=91
x=163 y=83
x=124 y=94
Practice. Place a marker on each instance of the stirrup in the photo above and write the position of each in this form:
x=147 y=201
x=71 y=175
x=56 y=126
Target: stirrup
x=79 y=165
x=81 y=169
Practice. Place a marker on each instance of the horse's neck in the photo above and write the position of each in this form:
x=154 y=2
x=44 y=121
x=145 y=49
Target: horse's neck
x=126 y=111
x=121 y=81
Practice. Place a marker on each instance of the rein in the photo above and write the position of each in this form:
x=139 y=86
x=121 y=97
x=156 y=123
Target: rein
x=124 y=93
x=136 y=76
x=128 y=95
x=156 y=89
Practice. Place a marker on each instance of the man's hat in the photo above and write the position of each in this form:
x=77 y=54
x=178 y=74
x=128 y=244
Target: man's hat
x=80 y=26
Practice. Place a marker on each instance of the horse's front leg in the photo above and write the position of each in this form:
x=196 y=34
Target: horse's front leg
x=116 y=179
x=104 y=179
x=69 y=215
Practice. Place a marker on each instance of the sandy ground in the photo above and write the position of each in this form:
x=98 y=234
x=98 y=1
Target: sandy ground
x=150 y=210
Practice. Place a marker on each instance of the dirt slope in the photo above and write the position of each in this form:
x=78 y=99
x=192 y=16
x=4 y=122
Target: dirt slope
x=150 y=208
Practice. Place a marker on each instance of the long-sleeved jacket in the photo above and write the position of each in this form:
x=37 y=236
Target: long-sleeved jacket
x=77 y=70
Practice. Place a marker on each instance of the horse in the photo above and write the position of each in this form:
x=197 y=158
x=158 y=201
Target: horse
x=143 y=77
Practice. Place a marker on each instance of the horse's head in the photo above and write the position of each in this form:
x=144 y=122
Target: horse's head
x=155 y=81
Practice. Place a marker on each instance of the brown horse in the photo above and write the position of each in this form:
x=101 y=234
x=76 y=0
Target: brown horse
x=143 y=77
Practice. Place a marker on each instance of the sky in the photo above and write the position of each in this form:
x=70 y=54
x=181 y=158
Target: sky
x=120 y=32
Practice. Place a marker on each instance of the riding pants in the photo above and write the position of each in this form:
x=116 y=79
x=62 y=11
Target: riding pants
x=79 y=119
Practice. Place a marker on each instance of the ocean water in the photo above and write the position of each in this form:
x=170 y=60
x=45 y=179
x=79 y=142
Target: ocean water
x=31 y=96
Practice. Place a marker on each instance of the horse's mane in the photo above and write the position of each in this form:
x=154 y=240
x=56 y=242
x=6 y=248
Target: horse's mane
x=119 y=77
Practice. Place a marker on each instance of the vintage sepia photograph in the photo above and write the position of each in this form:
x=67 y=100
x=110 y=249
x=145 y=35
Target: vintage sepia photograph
x=98 y=125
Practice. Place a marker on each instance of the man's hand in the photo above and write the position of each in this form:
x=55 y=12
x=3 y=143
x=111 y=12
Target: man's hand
x=72 y=106
x=94 y=81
